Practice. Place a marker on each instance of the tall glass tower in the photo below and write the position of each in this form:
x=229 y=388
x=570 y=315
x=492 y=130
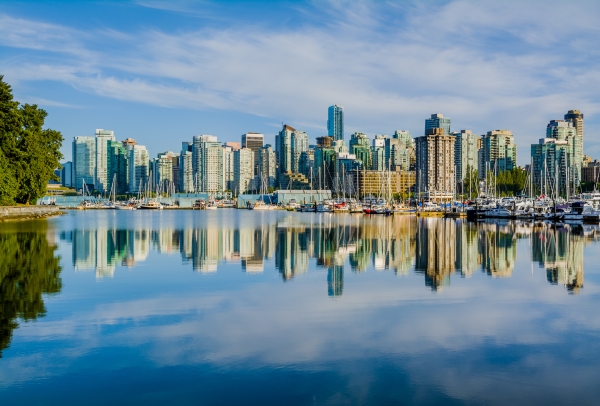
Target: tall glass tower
x=335 y=122
x=438 y=121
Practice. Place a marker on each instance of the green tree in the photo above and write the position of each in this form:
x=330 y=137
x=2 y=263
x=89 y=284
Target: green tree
x=30 y=154
x=470 y=184
x=28 y=269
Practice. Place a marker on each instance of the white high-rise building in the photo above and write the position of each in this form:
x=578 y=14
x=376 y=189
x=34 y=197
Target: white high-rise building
x=466 y=153
x=243 y=169
x=138 y=168
x=186 y=175
x=103 y=137
x=207 y=155
x=228 y=169
x=84 y=162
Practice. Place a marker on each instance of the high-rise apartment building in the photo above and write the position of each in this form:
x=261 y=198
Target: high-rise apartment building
x=207 y=156
x=84 y=163
x=435 y=177
x=335 y=122
x=243 y=170
x=404 y=153
x=186 y=174
x=212 y=166
x=575 y=117
x=290 y=144
x=324 y=161
x=175 y=169
x=103 y=137
x=138 y=165
x=253 y=141
x=378 y=158
x=299 y=146
x=162 y=174
x=283 y=147
x=557 y=159
x=549 y=160
x=361 y=148
x=117 y=172
x=499 y=152
x=267 y=169
x=438 y=121
x=228 y=169
x=466 y=153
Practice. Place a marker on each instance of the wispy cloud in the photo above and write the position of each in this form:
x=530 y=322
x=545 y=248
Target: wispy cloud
x=485 y=64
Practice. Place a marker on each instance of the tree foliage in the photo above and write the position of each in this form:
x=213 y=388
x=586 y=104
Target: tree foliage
x=511 y=183
x=28 y=269
x=29 y=154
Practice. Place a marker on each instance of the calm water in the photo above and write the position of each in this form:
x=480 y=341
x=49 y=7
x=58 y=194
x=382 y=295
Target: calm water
x=241 y=307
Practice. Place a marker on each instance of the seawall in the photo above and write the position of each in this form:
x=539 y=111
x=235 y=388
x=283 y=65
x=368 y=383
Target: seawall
x=28 y=212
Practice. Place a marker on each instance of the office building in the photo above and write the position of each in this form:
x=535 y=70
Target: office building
x=435 y=166
x=66 y=175
x=438 y=121
x=117 y=171
x=335 y=122
x=84 y=163
x=207 y=156
x=103 y=137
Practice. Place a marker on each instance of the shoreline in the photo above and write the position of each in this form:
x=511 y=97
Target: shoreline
x=21 y=213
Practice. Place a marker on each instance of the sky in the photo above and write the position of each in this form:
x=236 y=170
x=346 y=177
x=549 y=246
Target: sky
x=164 y=71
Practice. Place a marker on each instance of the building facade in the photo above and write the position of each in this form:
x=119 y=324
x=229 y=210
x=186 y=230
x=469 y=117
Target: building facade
x=335 y=122
x=435 y=169
x=499 y=152
x=466 y=153
x=438 y=121
x=139 y=169
x=103 y=138
x=243 y=170
x=84 y=163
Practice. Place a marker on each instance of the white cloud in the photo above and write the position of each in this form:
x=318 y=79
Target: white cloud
x=486 y=65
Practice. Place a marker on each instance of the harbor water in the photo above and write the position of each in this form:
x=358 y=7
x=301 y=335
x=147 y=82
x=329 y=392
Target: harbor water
x=273 y=307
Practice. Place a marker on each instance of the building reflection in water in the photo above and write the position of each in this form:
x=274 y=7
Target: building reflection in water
x=560 y=252
x=436 y=248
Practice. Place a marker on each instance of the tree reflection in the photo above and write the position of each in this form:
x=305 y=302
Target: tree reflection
x=28 y=268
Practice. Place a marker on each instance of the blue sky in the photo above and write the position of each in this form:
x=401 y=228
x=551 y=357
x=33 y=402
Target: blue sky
x=164 y=71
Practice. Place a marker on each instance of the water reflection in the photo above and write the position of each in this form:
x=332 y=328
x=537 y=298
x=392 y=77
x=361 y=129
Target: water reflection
x=435 y=248
x=28 y=269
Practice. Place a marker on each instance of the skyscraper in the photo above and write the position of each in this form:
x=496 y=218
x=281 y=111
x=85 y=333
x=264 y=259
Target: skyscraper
x=207 y=157
x=253 y=141
x=267 y=165
x=466 y=153
x=103 y=137
x=243 y=164
x=335 y=122
x=138 y=168
x=84 y=162
x=499 y=152
x=438 y=121
x=435 y=166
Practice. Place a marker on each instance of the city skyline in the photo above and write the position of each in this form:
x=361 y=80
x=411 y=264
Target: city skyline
x=149 y=81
